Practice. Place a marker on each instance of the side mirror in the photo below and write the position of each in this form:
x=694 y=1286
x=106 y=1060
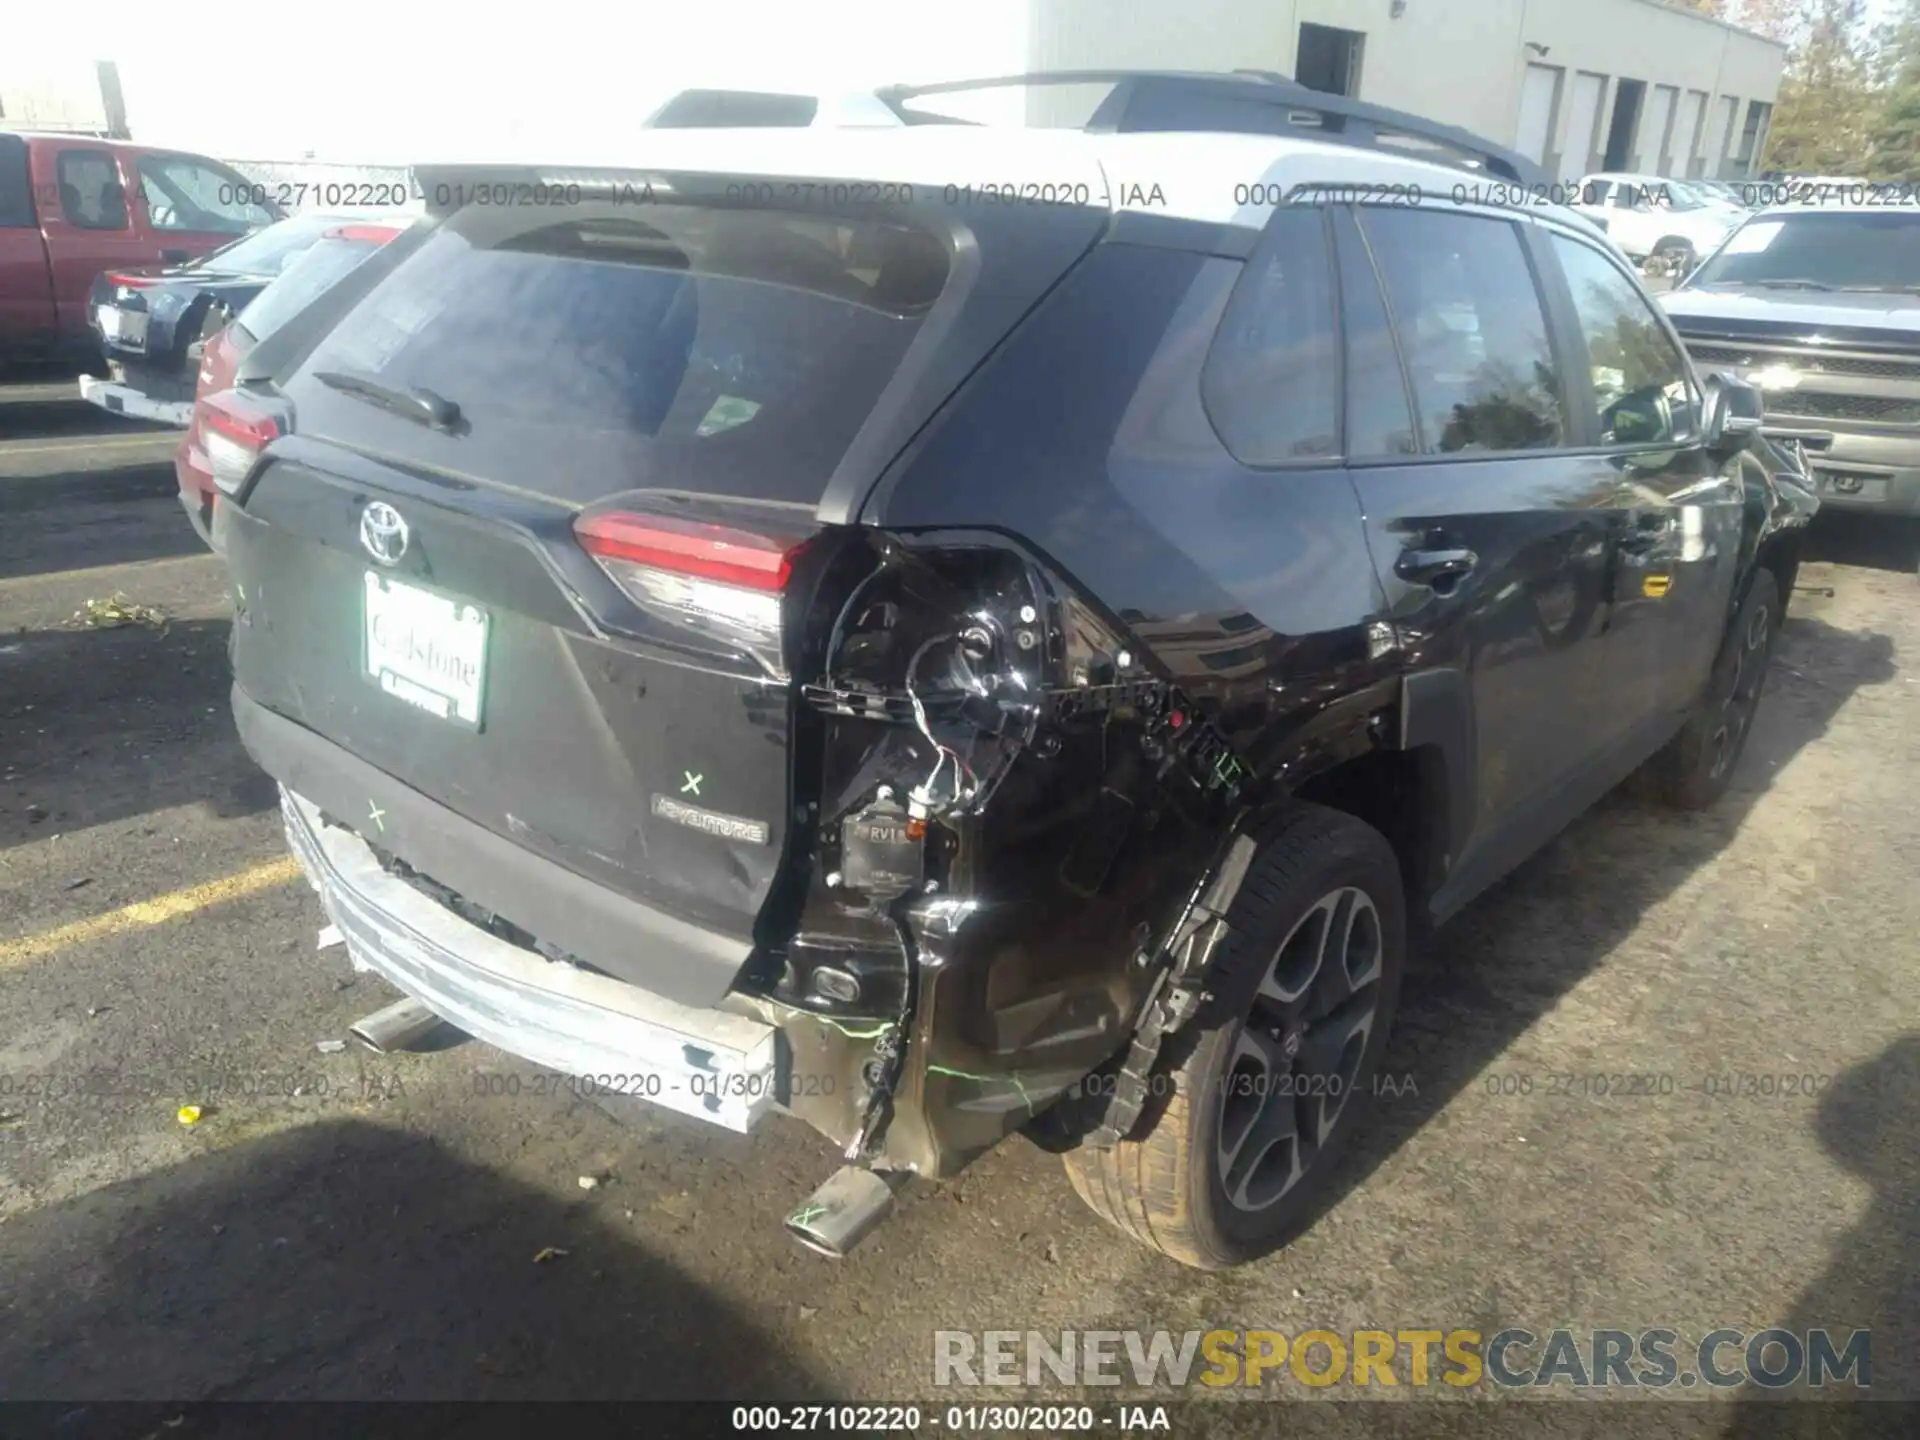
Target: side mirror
x=1735 y=412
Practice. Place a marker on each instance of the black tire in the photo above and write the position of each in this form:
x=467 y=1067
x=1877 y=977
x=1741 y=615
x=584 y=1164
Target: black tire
x=1166 y=1185
x=1676 y=253
x=1696 y=766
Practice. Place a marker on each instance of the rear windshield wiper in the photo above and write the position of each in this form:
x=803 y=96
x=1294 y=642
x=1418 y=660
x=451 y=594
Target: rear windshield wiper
x=1794 y=283
x=416 y=402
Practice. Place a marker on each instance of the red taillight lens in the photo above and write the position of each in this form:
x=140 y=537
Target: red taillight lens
x=365 y=232
x=717 y=580
x=218 y=360
x=233 y=432
x=689 y=547
x=131 y=282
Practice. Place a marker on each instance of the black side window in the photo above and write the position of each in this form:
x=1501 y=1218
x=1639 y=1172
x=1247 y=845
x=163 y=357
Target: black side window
x=1472 y=328
x=16 y=186
x=1379 y=416
x=91 y=196
x=1640 y=384
x=735 y=109
x=1272 y=381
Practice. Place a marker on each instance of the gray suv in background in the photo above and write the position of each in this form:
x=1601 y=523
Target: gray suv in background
x=1819 y=308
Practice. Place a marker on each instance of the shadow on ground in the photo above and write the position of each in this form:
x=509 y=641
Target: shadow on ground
x=103 y=725
x=82 y=488
x=1513 y=954
x=77 y=520
x=1878 y=542
x=1867 y=1123
x=347 y=1261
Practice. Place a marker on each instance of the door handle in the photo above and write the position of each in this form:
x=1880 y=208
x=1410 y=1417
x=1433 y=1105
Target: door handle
x=1440 y=569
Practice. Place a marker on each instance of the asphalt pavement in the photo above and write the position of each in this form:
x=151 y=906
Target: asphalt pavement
x=343 y=1225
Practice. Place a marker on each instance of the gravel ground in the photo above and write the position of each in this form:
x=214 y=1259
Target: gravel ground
x=375 y=1234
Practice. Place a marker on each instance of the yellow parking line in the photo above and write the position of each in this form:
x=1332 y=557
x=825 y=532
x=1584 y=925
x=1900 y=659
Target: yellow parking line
x=92 y=442
x=144 y=913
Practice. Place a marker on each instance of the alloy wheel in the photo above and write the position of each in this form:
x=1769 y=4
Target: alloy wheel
x=1295 y=1058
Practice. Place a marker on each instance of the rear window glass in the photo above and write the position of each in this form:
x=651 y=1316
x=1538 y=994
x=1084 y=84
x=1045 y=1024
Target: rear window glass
x=308 y=275
x=729 y=352
x=268 y=252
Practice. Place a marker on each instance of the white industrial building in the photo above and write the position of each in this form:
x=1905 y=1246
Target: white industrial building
x=1580 y=85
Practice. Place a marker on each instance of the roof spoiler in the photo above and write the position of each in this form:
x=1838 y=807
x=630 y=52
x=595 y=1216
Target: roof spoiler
x=1250 y=102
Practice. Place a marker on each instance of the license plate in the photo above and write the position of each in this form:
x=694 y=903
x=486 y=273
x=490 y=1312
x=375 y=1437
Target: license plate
x=426 y=649
x=127 y=328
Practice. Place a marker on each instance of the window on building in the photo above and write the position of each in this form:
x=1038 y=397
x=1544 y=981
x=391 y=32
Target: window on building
x=1328 y=59
x=1720 y=135
x=1272 y=380
x=1640 y=386
x=1753 y=136
x=1622 y=151
x=91 y=196
x=1539 y=109
x=1472 y=328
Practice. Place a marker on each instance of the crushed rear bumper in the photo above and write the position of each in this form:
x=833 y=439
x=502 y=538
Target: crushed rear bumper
x=708 y=1064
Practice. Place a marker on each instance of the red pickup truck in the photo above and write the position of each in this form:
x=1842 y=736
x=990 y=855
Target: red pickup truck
x=72 y=206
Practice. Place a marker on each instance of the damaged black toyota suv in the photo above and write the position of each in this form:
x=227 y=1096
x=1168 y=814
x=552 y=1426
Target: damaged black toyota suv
x=762 y=631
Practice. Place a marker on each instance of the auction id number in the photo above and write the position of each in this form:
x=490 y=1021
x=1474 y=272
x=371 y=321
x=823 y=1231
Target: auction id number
x=826 y=1417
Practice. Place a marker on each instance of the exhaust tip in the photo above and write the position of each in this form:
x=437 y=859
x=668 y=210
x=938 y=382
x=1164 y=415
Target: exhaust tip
x=844 y=1211
x=400 y=1026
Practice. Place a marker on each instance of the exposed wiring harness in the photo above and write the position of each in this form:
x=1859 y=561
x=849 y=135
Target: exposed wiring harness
x=965 y=783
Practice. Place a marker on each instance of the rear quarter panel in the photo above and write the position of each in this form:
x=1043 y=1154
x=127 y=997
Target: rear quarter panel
x=1086 y=440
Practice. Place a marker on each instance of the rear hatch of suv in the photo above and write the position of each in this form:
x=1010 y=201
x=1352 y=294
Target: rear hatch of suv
x=532 y=531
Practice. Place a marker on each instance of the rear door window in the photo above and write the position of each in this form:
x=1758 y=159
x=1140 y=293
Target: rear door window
x=307 y=277
x=268 y=251
x=16 y=187
x=1472 y=328
x=1272 y=380
x=720 y=351
x=1379 y=415
x=91 y=196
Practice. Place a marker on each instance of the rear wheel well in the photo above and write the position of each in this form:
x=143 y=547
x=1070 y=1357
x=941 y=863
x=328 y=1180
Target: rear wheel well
x=1403 y=795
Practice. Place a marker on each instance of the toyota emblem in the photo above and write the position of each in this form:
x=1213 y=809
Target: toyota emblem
x=383 y=532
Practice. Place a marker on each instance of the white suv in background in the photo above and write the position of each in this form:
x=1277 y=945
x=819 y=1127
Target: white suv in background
x=1653 y=215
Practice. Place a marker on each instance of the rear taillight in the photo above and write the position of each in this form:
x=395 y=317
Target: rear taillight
x=218 y=360
x=366 y=233
x=717 y=580
x=131 y=282
x=233 y=432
